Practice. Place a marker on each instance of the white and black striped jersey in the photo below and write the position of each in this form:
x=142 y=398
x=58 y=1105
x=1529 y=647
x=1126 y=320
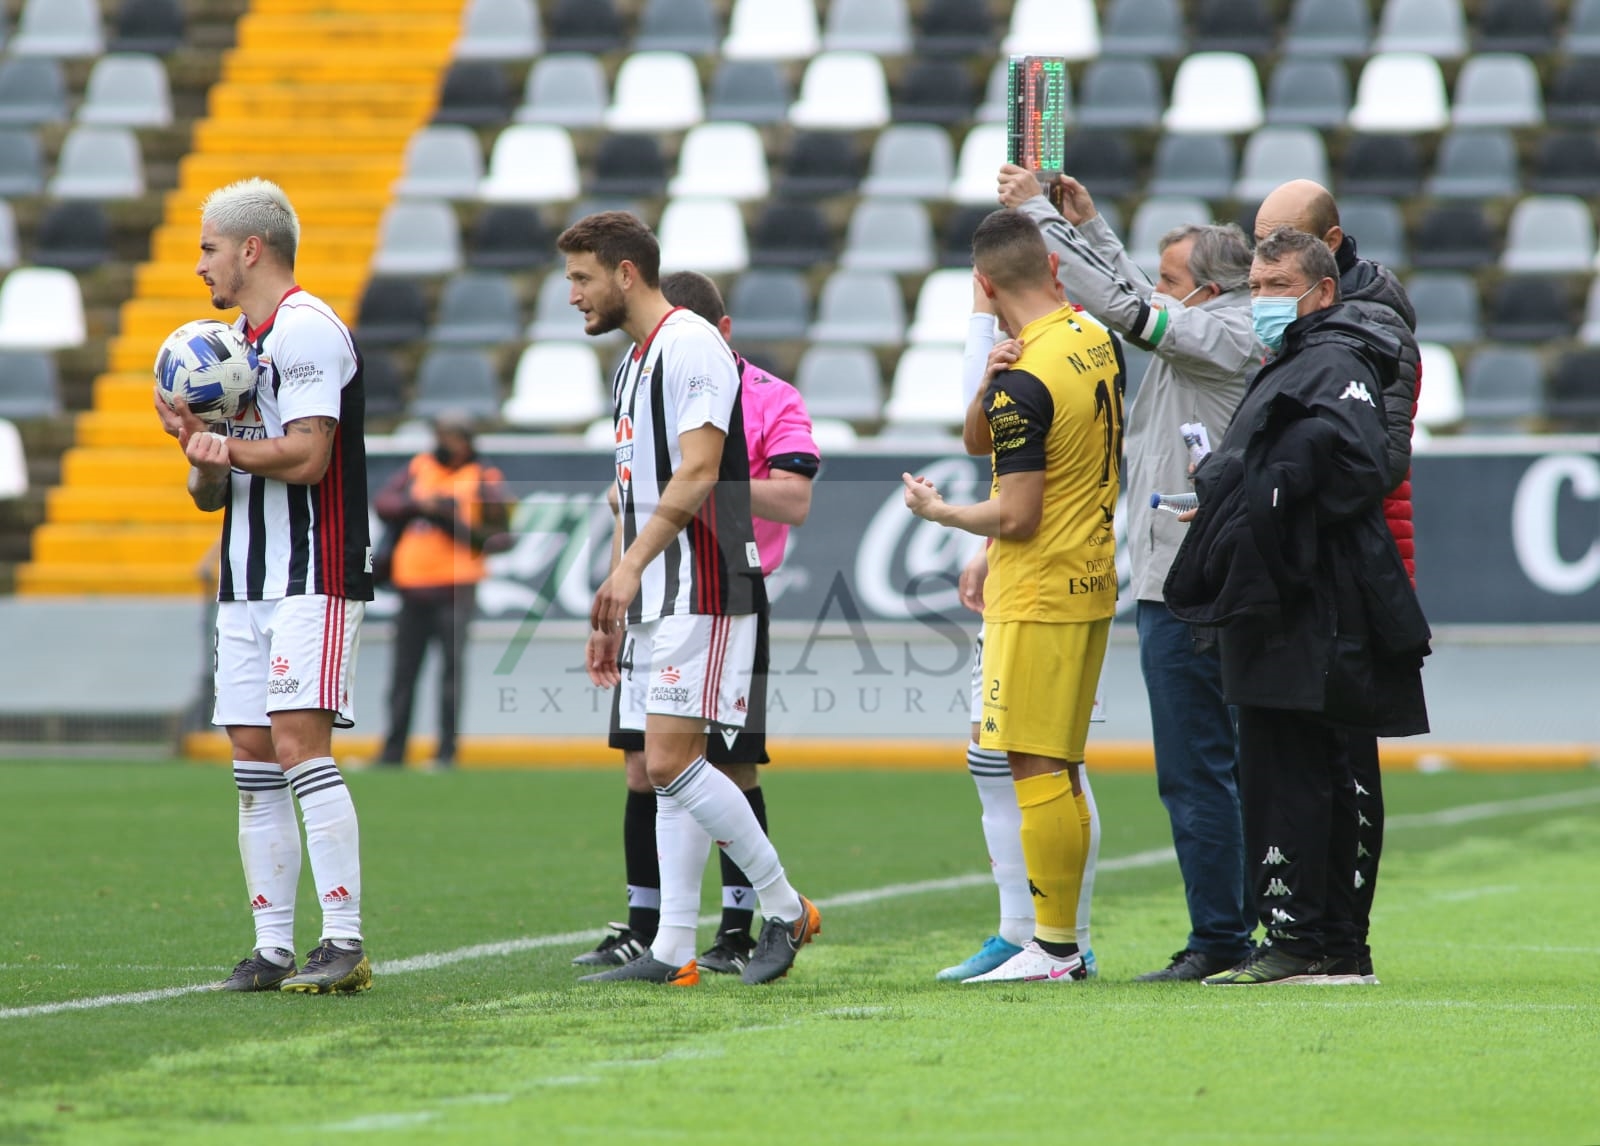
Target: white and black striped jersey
x=282 y=540
x=684 y=377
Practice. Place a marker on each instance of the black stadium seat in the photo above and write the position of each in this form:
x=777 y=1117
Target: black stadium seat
x=384 y=384
x=584 y=26
x=935 y=91
x=74 y=234
x=1103 y=161
x=1575 y=389
x=956 y=248
x=509 y=237
x=955 y=28
x=1233 y=26
x=1453 y=236
x=629 y=165
x=1380 y=165
x=1573 y=93
x=821 y=163
x=154 y=26
x=474 y=92
x=393 y=310
x=1531 y=308
x=790 y=234
x=1566 y=163
x=1526 y=26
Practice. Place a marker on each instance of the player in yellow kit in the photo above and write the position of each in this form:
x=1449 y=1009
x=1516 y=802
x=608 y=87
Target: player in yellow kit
x=1052 y=420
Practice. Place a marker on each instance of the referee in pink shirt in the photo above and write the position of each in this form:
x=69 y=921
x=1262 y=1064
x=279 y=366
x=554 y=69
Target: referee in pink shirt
x=783 y=461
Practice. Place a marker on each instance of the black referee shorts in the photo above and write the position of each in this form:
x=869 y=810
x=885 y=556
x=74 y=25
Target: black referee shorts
x=749 y=746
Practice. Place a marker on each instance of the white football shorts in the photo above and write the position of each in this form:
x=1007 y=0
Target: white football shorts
x=693 y=666
x=290 y=654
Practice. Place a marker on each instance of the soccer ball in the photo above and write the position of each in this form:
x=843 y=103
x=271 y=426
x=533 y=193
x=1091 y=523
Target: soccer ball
x=209 y=365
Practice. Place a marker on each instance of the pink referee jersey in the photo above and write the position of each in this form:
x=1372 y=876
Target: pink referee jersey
x=777 y=431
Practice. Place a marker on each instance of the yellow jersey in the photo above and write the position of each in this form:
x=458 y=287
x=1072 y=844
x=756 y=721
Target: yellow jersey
x=1059 y=409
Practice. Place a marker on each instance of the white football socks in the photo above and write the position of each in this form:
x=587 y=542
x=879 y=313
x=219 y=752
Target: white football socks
x=1002 y=834
x=1090 y=859
x=333 y=840
x=269 y=846
x=682 y=847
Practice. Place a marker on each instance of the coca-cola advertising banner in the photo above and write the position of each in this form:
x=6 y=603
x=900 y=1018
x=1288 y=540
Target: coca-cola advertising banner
x=1508 y=532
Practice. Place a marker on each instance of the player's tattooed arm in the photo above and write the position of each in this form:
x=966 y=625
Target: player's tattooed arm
x=300 y=456
x=210 y=494
x=326 y=427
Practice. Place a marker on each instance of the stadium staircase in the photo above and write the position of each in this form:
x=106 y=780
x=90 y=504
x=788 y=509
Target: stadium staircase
x=320 y=96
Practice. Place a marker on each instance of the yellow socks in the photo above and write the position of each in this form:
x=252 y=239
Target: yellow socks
x=1055 y=843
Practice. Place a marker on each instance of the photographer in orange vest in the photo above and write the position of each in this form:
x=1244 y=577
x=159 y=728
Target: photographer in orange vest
x=445 y=511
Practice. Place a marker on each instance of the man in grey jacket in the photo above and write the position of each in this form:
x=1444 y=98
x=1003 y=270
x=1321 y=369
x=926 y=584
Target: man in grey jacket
x=1196 y=323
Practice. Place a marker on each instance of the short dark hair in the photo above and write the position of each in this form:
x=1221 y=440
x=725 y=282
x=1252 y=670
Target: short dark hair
x=694 y=290
x=1008 y=248
x=615 y=237
x=1309 y=253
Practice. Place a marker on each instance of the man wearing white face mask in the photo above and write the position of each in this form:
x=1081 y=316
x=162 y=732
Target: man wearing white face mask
x=1195 y=321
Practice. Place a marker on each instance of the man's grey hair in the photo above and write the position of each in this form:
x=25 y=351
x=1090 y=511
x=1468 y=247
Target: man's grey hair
x=1220 y=254
x=255 y=207
x=1309 y=253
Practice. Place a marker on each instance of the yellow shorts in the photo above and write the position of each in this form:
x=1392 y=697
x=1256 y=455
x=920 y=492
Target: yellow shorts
x=1039 y=681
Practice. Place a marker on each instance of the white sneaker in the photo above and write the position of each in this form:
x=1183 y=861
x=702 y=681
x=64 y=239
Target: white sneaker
x=1034 y=964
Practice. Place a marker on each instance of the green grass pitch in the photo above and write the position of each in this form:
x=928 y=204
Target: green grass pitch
x=123 y=878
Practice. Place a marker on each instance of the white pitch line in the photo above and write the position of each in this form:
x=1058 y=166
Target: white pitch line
x=1466 y=813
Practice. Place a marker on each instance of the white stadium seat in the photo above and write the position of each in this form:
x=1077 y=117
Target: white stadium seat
x=1215 y=92
x=13 y=462
x=943 y=306
x=842 y=91
x=926 y=390
x=705 y=235
x=499 y=30
x=127 y=91
x=656 y=91
x=531 y=163
x=41 y=308
x=982 y=153
x=1068 y=28
x=443 y=161
x=418 y=237
x=101 y=163
x=725 y=159
x=557 y=385
x=772 y=30
x=1439 y=403
x=1401 y=92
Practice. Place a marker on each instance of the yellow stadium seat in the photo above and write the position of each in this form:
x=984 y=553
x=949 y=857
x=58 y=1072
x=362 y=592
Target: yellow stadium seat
x=140 y=544
x=115 y=505
x=173 y=280
x=125 y=468
x=121 y=429
x=450 y=8
x=100 y=579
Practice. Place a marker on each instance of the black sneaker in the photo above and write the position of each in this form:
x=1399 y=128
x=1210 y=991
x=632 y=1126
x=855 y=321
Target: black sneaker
x=331 y=970
x=1187 y=967
x=1269 y=967
x=257 y=973
x=648 y=969
x=1364 y=969
x=623 y=946
x=1340 y=971
x=780 y=942
x=729 y=954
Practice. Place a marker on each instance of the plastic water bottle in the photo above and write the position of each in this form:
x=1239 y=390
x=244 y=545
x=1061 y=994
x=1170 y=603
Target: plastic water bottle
x=1175 y=502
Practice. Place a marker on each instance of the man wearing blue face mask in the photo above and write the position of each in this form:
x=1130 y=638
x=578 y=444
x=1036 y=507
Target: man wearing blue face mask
x=1195 y=322
x=1320 y=633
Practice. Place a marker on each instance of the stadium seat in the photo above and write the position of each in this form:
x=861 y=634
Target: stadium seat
x=1447 y=308
x=585 y=26
x=934 y=91
x=1152 y=28
x=499 y=30
x=127 y=91
x=1453 y=236
x=393 y=310
x=1308 y=91
x=1589 y=332
x=10 y=254
x=820 y=163
x=1435 y=28
x=1573 y=95
x=1233 y=26
x=21 y=163
x=568 y=91
x=926 y=391
x=1498 y=90
x=722 y=159
x=1120 y=94
x=982 y=153
x=770 y=306
x=656 y=91
x=509 y=237
x=955 y=28
x=1566 y=163
x=1527 y=26
x=888 y=235
x=1575 y=389
x=996 y=106
x=451 y=379
x=383 y=382
x=1154 y=218
x=1378 y=228
x=1276 y=155
x=1103 y=161
x=841 y=382
x=943 y=306
x=74 y=235
x=32 y=91
x=13 y=463
x=1400 y=92
x=859 y=306
x=772 y=30
x=41 y=308
x=1201 y=165
x=1582 y=35
x=479 y=308
x=418 y=237
x=1549 y=233
x=882 y=27
x=751 y=91
x=689 y=26
x=473 y=92
x=557 y=385
x=955 y=246
x=154 y=26
x=30 y=388
x=66 y=29
x=1504 y=385
x=705 y=235
x=1381 y=165
x=1439 y=400
x=555 y=319
x=910 y=160
x=531 y=163
x=1066 y=28
x=834 y=436
x=443 y=161
x=790 y=234
x=1215 y=91
x=842 y=91
x=98 y=163
x=1340 y=29
x=1475 y=164
x=629 y=164
x=1530 y=308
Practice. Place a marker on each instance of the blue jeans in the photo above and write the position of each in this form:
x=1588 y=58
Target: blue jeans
x=1197 y=773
